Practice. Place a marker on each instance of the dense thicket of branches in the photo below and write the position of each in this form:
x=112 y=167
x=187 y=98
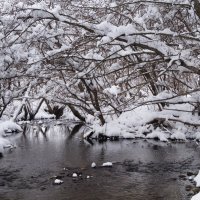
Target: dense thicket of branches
x=99 y=57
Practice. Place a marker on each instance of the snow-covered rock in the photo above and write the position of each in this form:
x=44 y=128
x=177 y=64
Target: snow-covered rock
x=107 y=164
x=93 y=165
x=191 y=178
x=58 y=181
x=197 y=179
x=74 y=175
x=196 y=197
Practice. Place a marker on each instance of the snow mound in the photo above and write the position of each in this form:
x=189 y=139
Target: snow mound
x=158 y=134
x=9 y=126
x=178 y=136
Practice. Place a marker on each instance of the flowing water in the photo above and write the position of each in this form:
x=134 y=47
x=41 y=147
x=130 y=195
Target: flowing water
x=142 y=170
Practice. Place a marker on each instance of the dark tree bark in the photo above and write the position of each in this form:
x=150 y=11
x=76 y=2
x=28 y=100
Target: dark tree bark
x=197 y=7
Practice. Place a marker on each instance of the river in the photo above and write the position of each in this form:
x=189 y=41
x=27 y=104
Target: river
x=142 y=170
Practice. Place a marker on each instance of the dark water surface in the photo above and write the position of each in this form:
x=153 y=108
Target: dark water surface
x=142 y=170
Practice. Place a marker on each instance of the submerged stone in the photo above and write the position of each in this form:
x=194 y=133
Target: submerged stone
x=182 y=176
x=188 y=187
x=190 y=174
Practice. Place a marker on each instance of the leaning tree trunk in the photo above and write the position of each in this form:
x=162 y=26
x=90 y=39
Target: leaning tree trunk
x=19 y=109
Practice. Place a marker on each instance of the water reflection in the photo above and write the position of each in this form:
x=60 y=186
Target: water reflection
x=150 y=170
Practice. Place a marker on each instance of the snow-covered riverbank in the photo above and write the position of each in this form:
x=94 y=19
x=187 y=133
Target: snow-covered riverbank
x=173 y=123
x=7 y=129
